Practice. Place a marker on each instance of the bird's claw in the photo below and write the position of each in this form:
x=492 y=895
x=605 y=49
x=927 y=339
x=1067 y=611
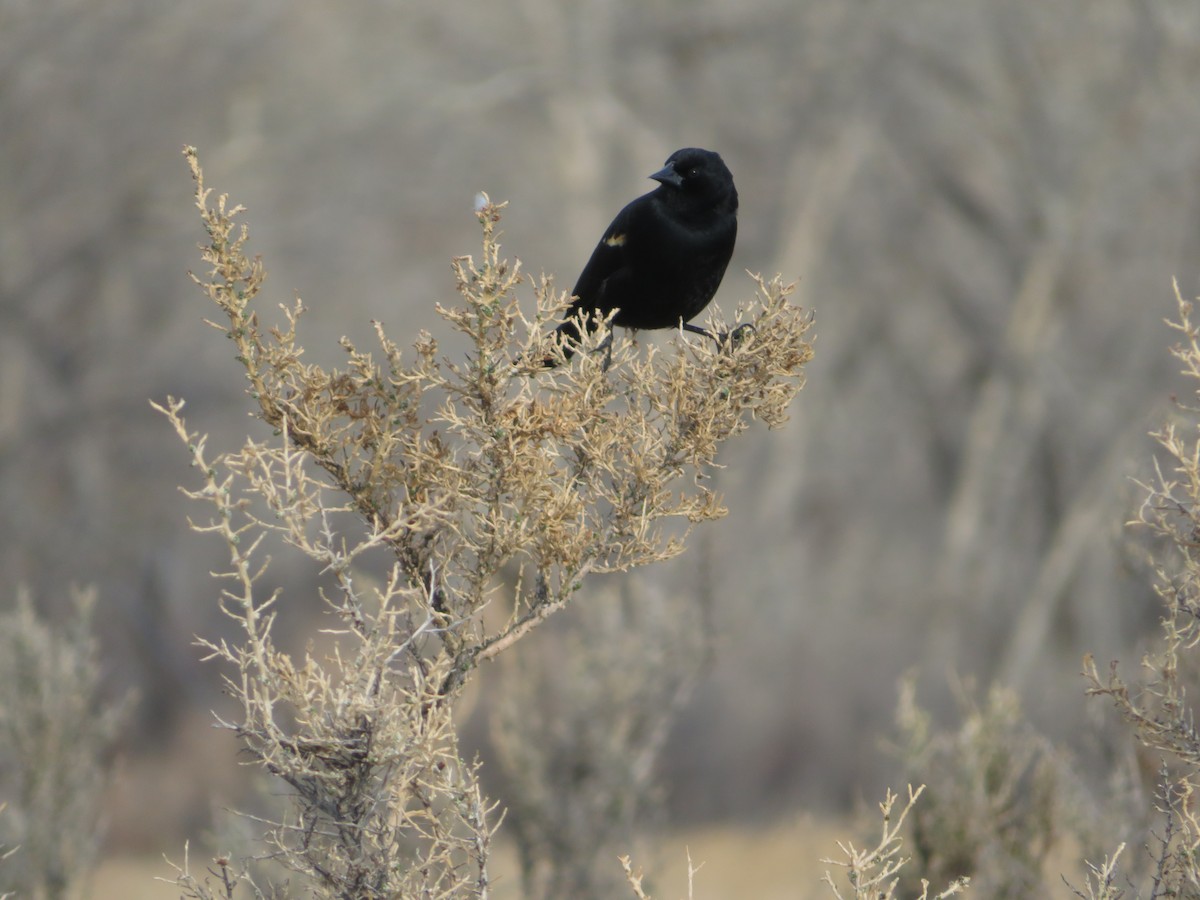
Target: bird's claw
x=739 y=334
x=735 y=337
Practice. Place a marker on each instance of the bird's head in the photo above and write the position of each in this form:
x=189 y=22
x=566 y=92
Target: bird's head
x=697 y=178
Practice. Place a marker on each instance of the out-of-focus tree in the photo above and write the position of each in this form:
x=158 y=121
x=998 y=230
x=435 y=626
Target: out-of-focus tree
x=979 y=198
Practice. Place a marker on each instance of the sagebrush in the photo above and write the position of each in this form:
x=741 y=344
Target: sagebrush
x=448 y=476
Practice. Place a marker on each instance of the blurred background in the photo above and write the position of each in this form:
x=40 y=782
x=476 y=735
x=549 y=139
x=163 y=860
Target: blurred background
x=985 y=205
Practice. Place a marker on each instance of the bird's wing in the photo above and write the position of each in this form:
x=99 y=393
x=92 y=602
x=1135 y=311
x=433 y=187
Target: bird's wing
x=608 y=266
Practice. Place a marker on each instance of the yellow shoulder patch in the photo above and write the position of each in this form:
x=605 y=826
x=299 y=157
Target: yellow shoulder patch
x=616 y=240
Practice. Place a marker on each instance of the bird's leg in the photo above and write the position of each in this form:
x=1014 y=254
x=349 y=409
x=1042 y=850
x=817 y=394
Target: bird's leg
x=734 y=337
x=606 y=345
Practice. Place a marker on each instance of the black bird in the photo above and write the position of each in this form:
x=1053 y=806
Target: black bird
x=663 y=257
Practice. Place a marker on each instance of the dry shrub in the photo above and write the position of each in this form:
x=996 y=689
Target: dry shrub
x=578 y=728
x=445 y=474
x=1156 y=705
x=58 y=737
x=998 y=795
x=874 y=873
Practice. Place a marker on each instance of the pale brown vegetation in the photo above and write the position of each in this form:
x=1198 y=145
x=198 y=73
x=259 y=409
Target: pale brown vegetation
x=58 y=734
x=873 y=873
x=980 y=217
x=1001 y=796
x=1156 y=705
x=453 y=472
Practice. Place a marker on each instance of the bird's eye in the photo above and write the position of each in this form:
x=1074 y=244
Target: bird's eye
x=693 y=171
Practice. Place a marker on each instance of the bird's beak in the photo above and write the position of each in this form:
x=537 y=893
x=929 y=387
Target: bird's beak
x=667 y=175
